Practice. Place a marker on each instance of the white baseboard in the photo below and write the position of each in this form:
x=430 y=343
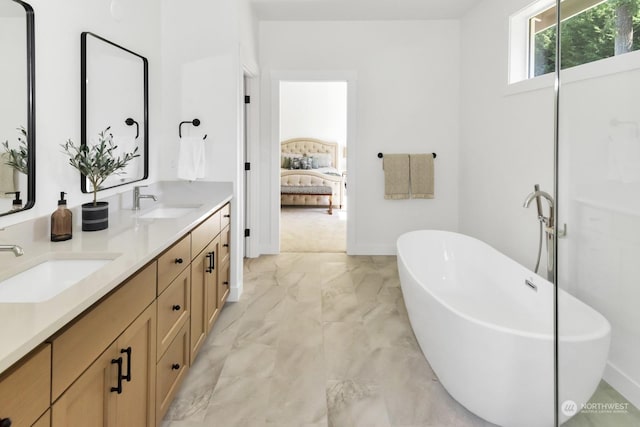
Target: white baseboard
x=625 y=385
x=372 y=250
x=234 y=294
x=268 y=249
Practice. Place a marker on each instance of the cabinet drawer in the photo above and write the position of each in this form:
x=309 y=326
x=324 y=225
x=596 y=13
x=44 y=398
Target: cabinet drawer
x=79 y=345
x=173 y=262
x=25 y=388
x=225 y=239
x=224 y=284
x=204 y=233
x=173 y=310
x=225 y=215
x=44 y=421
x=170 y=371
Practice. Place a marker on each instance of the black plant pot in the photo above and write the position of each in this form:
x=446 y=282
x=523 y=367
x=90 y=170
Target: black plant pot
x=96 y=217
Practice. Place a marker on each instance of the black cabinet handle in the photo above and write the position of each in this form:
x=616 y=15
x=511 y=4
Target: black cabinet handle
x=175 y=366
x=226 y=245
x=212 y=263
x=179 y=261
x=176 y=307
x=118 y=389
x=5 y=422
x=225 y=283
x=127 y=351
x=227 y=216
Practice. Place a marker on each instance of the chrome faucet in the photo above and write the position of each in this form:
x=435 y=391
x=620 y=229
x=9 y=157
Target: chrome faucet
x=548 y=223
x=137 y=196
x=17 y=250
x=536 y=195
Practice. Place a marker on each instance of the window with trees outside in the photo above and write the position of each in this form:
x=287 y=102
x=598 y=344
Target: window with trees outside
x=590 y=30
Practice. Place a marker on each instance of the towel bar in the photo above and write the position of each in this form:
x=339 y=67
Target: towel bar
x=380 y=155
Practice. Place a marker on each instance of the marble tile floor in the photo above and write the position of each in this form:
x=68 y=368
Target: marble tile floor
x=312 y=229
x=316 y=340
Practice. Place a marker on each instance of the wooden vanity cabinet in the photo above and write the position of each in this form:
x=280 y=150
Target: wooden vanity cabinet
x=205 y=248
x=224 y=277
x=30 y=377
x=77 y=346
x=118 y=389
x=174 y=309
x=173 y=262
x=203 y=296
x=121 y=362
x=171 y=370
x=223 y=285
x=211 y=283
x=44 y=421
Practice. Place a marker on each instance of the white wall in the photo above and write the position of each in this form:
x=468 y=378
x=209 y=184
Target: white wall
x=407 y=100
x=315 y=110
x=507 y=146
x=506 y=141
x=196 y=50
x=57 y=29
x=206 y=46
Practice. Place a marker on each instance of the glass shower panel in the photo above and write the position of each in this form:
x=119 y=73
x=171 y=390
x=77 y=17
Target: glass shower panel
x=599 y=257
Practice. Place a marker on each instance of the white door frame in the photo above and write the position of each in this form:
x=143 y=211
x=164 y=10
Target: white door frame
x=252 y=156
x=350 y=78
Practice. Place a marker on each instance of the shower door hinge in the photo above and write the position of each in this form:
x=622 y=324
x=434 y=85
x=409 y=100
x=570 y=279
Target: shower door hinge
x=247 y=232
x=247 y=99
x=247 y=166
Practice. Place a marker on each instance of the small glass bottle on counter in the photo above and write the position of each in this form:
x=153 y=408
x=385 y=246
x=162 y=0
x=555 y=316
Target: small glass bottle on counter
x=61 y=221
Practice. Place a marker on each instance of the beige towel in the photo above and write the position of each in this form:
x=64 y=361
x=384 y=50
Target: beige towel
x=422 y=182
x=396 y=176
x=6 y=177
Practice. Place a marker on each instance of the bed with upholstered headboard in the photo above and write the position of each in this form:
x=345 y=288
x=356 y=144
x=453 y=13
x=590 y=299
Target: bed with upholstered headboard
x=305 y=181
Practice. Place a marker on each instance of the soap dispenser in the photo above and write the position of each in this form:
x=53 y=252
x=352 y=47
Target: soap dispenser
x=17 y=202
x=61 y=221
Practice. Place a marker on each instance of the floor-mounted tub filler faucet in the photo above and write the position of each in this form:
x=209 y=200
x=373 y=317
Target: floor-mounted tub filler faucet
x=17 y=250
x=546 y=224
x=137 y=196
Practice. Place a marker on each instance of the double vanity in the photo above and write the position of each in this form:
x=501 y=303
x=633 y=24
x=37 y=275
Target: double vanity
x=101 y=329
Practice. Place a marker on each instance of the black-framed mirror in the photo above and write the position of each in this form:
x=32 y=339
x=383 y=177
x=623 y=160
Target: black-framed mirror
x=17 y=107
x=115 y=95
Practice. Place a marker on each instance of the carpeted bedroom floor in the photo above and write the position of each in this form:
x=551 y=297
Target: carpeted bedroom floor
x=312 y=229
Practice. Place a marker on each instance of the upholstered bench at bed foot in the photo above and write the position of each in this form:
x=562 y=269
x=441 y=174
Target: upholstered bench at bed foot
x=310 y=190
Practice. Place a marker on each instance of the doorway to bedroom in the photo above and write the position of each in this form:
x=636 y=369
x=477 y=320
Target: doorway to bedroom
x=313 y=166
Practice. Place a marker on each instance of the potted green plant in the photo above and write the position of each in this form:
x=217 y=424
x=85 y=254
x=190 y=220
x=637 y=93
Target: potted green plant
x=18 y=158
x=97 y=162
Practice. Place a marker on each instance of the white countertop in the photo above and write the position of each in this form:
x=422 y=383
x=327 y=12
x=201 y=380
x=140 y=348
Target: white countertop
x=131 y=240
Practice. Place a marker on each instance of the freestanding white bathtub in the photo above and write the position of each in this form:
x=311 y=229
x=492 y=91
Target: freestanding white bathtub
x=489 y=336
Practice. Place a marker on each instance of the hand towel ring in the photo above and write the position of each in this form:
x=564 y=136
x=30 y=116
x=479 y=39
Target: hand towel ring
x=195 y=122
x=131 y=122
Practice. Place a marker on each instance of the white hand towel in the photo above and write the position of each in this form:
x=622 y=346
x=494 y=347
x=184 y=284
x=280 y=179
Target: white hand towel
x=191 y=159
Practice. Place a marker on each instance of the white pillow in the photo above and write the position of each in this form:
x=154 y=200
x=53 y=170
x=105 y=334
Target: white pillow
x=324 y=159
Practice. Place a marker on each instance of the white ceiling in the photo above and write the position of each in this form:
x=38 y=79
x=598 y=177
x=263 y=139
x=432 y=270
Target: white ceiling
x=343 y=10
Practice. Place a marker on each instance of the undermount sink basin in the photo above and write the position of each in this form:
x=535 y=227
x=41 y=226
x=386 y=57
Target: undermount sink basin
x=47 y=279
x=168 y=211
